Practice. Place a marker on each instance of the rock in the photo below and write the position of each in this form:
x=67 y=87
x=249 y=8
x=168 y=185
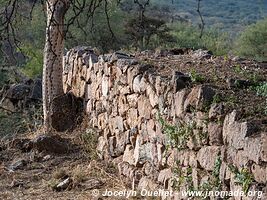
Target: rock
x=51 y=144
x=93 y=184
x=112 y=146
x=142 y=152
x=137 y=83
x=234 y=132
x=201 y=54
x=179 y=80
x=46 y=158
x=118 y=55
x=144 y=107
x=105 y=86
x=36 y=91
x=199 y=98
x=63 y=185
x=18 y=164
x=253 y=148
x=101 y=144
x=128 y=155
x=153 y=98
x=132 y=100
x=186 y=158
x=240 y=159
x=18 y=92
x=215 y=134
x=179 y=100
x=164 y=176
x=64 y=112
x=259 y=173
x=146 y=183
x=263 y=153
x=216 y=111
x=207 y=156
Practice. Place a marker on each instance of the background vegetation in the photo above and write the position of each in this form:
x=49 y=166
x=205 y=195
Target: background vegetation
x=238 y=27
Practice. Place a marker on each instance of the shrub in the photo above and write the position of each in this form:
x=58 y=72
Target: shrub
x=252 y=43
x=187 y=36
x=34 y=64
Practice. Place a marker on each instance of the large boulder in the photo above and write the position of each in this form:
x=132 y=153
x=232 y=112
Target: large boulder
x=51 y=144
x=200 y=97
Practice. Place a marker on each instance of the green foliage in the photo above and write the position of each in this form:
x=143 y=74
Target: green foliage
x=254 y=77
x=3 y=78
x=34 y=64
x=216 y=98
x=252 y=43
x=182 y=178
x=142 y=32
x=178 y=135
x=187 y=35
x=262 y=89
x=242 y=177
x=11 y=124
x=195 y=77
x=214 y=182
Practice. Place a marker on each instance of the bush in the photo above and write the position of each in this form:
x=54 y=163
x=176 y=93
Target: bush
x=252 y=43
x=188 y=36
x=34 y=64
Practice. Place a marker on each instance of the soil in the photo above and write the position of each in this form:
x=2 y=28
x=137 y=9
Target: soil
x=41 y=172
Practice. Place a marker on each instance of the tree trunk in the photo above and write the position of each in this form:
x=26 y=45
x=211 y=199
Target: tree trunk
x=53 y=57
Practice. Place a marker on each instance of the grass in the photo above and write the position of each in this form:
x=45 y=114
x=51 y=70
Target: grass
x=59 y=173
x=182 y=178
x=248 y=75
x=89 y=141
x=261 y=89
x=214 y=182
x=12 y=124
x=242 y=177
x=195 y=77
x=78 y=175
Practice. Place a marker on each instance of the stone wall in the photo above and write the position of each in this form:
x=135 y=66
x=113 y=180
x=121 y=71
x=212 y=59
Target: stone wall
x=161 y=133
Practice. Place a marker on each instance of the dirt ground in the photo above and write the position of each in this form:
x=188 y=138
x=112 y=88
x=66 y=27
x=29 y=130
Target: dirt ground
x=218 y=71
x=38 y=177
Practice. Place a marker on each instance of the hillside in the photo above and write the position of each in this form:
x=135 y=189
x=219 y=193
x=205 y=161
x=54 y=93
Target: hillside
x=228 y=15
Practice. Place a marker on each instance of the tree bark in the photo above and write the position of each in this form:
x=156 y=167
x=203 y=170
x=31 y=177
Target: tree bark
x=53 y=57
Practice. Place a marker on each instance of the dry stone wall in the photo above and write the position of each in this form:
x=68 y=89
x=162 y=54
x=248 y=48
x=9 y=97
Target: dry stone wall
x=161 y=133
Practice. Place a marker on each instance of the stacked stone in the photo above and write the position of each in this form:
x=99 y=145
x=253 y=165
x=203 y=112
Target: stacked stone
x=125 y=99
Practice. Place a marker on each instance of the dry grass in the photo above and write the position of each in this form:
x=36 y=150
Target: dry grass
x=40 y=177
